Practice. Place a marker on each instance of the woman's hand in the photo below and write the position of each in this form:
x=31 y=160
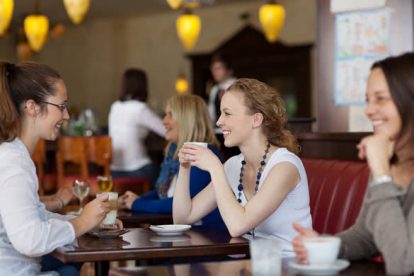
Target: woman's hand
x=298 y=246
x=377 y=150
x=117 y=225
x=65 y=195
x=92 y=215
x=198 y=156
x=126 y=200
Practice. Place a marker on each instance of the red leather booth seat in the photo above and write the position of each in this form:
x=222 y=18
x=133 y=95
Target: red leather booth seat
x=134 y=184
x=336 y=189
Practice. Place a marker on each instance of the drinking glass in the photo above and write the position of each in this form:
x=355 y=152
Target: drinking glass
x=104 y=183
x=265 y=256
x=80 y=189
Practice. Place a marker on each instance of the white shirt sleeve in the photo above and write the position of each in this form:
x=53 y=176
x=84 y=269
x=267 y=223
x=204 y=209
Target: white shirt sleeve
x=27 y=223
x=151 y=121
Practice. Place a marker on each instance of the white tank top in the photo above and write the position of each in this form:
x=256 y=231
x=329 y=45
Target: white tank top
x=294 y=208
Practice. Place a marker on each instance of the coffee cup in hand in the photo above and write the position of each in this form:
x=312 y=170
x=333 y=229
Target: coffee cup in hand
x=201 y=144
x=322 y=250
x=110 y=217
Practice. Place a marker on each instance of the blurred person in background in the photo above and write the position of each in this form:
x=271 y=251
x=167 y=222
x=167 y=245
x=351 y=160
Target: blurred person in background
x=130 y=121
x=222 y=72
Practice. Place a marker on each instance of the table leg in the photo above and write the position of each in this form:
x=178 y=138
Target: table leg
x=101 y=268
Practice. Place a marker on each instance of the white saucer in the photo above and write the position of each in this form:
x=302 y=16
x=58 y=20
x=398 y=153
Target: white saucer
x=170 y=229
x=320 y=269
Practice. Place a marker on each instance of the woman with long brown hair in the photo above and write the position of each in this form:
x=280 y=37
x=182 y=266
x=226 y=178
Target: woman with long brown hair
x=33 y=105
x=385 y=225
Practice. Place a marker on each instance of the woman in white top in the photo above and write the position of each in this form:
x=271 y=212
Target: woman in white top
x=33 y=105
x=130 y=120
x=262 y=190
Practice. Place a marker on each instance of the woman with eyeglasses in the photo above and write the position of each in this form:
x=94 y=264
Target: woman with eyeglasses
x=33 y=102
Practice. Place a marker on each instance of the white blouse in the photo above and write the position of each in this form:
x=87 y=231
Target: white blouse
x=129 y=123
x=27 y=229
x=294 y=208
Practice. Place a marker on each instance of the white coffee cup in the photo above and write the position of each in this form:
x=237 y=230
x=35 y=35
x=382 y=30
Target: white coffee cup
x=110 y=217
x=201 y=144
x=322 y=250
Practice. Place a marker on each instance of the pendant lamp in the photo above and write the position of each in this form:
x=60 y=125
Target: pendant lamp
x=36 y=27
x=272 y=17
x=76 y=9
x=181 y=85
x=175 y=4
x=6 y=13
x=188 y=28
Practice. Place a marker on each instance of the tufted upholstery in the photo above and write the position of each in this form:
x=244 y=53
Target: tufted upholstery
x=336 y=189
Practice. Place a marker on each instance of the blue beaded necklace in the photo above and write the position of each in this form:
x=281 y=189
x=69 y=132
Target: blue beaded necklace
x=258 y=176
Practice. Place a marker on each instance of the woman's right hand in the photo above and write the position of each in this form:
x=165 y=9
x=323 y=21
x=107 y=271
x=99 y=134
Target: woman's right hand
x=92 y=215
x=298 y=246
x=377 y=149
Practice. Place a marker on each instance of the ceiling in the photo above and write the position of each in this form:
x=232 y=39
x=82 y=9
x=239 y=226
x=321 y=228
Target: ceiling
x=54 y=9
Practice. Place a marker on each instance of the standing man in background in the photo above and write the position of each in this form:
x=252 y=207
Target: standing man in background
x=222 y=71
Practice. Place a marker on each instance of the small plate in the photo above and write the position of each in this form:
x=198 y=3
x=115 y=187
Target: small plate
x=332 y=269
x=170 y=229
x=108 y=233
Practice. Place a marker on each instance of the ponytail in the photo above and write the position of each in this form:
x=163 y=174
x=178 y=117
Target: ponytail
x=9 y=118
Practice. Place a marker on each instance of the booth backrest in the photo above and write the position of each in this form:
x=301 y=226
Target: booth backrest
x=336 y=189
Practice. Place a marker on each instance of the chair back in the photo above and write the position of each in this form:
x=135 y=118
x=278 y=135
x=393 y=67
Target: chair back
x=72 y=150
x=99 y=152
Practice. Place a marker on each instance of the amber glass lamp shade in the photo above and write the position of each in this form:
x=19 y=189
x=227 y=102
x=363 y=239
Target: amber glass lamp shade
x=188 y=29
x=36 y=27
x=175 y=4
x=6 y=13
x=76 y=9
x=272 y=18
x=181 y=85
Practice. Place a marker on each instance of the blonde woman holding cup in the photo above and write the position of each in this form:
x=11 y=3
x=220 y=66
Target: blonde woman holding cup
x=262 y=190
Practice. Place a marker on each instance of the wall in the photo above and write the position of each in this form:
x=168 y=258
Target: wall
x=352 y=118
x=91 y=57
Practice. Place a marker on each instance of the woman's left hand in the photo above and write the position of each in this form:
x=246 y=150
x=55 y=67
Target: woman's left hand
x=65 y=195
x=200 y=157
x=125 y=201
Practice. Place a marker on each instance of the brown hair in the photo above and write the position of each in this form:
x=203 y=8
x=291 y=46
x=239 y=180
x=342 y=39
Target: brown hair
x=134 y=85
x=19 y=83
x=191 y=114
x=399 y=73
x=224 y=59
x=261 y=98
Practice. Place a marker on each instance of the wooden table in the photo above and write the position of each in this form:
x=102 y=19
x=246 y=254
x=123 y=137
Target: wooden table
x=143 y=244
x=241 y=267
x=134 y=219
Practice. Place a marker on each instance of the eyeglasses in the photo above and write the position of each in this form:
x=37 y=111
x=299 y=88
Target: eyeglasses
x=61 y=106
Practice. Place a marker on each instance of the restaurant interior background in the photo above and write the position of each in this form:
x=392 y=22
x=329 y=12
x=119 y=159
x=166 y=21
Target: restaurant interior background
x=119 y=34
